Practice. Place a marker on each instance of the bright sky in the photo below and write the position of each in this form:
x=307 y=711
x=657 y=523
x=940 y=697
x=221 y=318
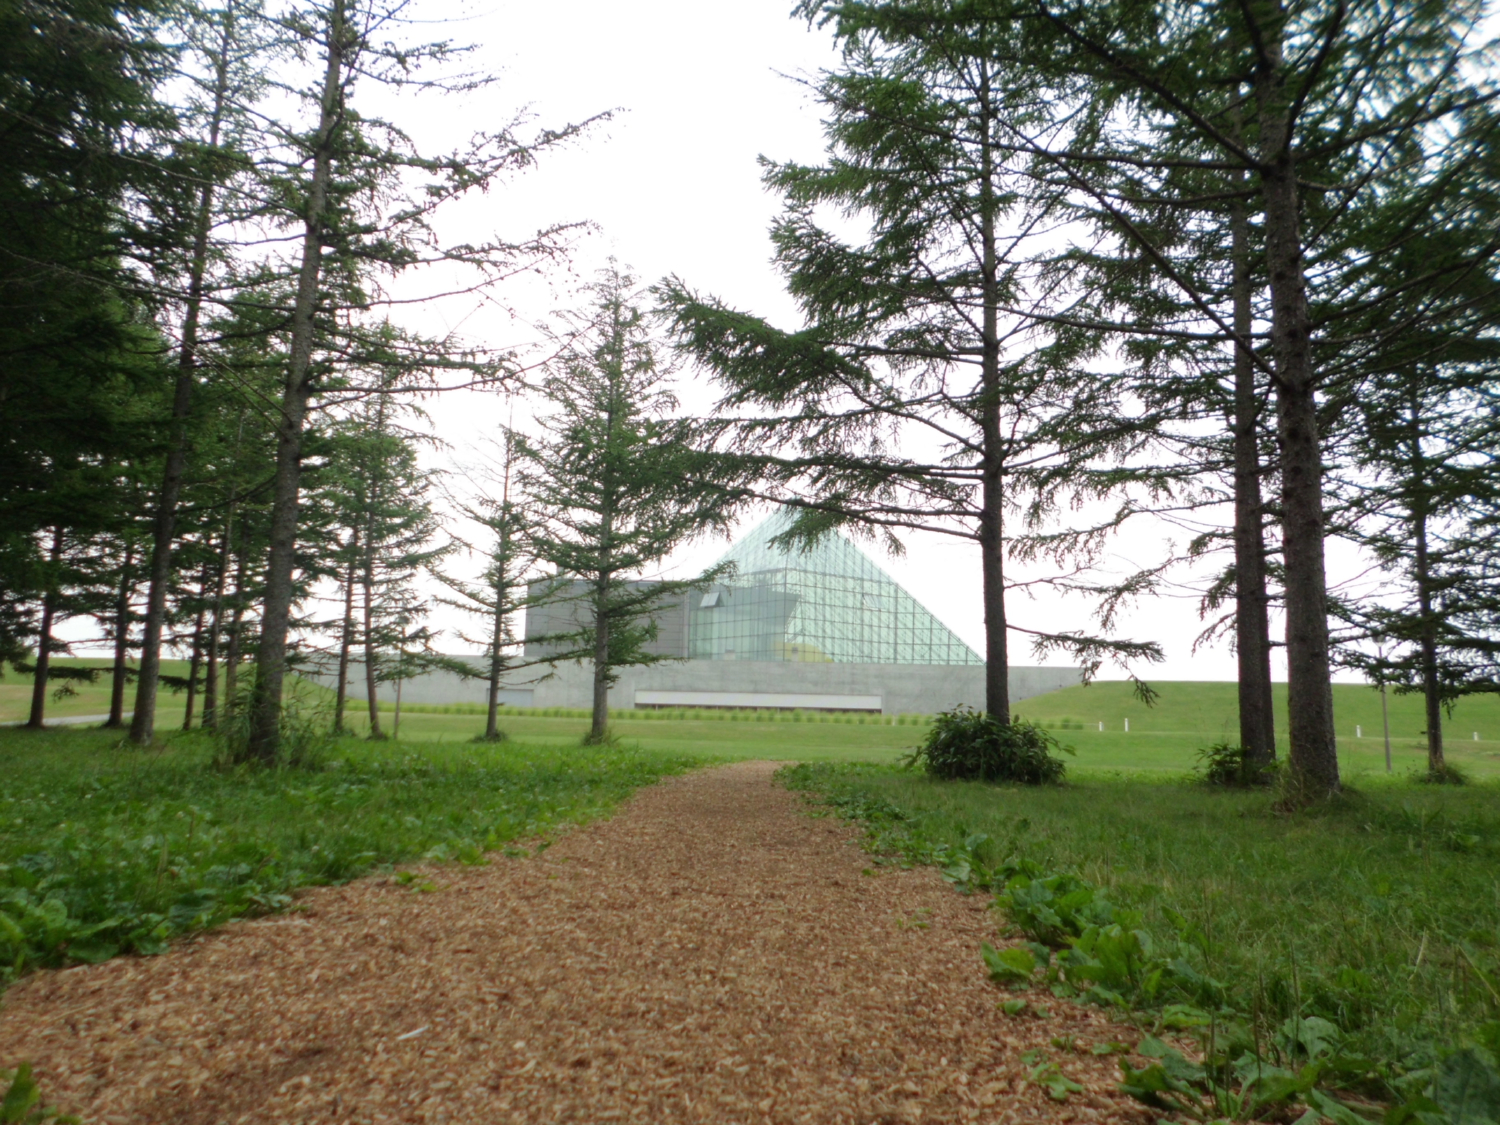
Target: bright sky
x=673 y=186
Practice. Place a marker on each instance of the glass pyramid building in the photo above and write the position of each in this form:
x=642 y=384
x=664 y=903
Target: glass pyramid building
x=829 y=604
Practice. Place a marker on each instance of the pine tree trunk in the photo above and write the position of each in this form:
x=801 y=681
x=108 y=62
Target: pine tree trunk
x=120 y=670
x=599 y=725
x=195 y=659
x=604 y=580
x=44 y=638
x=992 y=489
x=1251 y=619
x=346 y=641
x=215 y=632
x=497 y=638
x=216 y=627
x=270 y=669
x=371 y=679
x=1432 y=699
x=1313 y=753
x=143 y=722
x=236 y=629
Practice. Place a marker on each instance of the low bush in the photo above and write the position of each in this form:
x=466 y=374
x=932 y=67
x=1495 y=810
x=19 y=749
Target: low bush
x=968 y=745
x=1225 y=764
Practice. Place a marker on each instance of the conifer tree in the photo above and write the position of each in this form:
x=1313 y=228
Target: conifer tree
x=360 y=199
x=926 y=390
x=614 y=483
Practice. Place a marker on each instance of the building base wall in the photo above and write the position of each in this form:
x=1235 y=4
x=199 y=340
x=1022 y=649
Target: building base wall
x=900 y=688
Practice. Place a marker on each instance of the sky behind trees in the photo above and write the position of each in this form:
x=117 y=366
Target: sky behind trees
x=671 y=185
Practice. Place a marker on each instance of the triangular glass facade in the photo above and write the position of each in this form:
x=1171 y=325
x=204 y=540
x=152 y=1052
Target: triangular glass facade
x=828 y=604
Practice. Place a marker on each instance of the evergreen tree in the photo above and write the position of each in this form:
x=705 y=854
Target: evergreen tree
x=614 y=484
x=502 y=590
x=927 y=390
x=348 y=188
x=1307 y=112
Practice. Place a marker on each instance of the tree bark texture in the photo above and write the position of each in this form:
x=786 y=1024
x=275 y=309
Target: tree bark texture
x=143 y=722
x=270 y=664
x=236 y=633
x=120 y=671
x=1427 y=626
x=1252 y=605
x=369 y=638
x=346 y=640
x=195 y=659
x=1313 y=753
x=44 y=638
x=992 y=489
x=497 y=638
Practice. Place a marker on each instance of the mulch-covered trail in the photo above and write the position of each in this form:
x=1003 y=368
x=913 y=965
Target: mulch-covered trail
x=711 y=953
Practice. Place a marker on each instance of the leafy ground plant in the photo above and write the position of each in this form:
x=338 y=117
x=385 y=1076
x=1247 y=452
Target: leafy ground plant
x=1197 y=912
x=107 y=850
x=969 y=745
x=1225 y=764
x=22 y=1101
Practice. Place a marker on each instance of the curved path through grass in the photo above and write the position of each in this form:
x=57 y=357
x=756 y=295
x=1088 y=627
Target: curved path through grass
x=711 y=953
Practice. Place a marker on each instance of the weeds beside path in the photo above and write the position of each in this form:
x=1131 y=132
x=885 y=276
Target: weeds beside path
x=709 y=954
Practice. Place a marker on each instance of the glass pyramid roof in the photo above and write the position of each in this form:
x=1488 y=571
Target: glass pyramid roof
x=831 y=603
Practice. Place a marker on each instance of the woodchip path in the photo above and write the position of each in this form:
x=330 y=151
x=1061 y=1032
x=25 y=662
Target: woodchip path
x=711 y=953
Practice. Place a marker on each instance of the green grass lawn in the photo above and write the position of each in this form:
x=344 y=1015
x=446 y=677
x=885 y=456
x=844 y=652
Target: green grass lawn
x=1162 y=740
x=89 y=699
x=106 y=849
x=1379 y=912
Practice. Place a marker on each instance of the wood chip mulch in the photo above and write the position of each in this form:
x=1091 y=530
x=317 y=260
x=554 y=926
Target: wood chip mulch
x=711 y=953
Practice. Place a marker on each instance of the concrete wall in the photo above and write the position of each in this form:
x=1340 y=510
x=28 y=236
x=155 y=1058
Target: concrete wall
x=903 y=688
x=569 y=610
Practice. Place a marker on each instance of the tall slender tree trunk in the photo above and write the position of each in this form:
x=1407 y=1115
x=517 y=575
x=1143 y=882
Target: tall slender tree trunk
x=270 y=665
x=195 y=657
x=143 y=722
x=497 y=637
x=216 y=627
x=216 y=631
x=121 y=670
x=236 y=632
x=604 y=579
x=599 y=724
x=371 y=676
x=992 y=488
x=1252 y=605
x=1427 y=635
x=346 y=640
x=1313 y=754
x=44 y=637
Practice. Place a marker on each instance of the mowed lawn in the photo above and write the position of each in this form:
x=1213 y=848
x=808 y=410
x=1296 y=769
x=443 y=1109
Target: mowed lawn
x=1162 y=740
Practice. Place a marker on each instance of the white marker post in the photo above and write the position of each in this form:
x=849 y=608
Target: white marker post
x=1101 y=727
x=1358 y=731
x=1127 y=726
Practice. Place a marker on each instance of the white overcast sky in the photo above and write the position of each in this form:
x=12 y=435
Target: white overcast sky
x=672 y=185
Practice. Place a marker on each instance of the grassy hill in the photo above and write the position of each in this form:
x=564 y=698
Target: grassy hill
x=1212 y=709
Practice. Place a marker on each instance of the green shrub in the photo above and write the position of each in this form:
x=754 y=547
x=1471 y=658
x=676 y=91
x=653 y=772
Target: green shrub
x=968 y=745
x=1224 y=764
x=1448 y=775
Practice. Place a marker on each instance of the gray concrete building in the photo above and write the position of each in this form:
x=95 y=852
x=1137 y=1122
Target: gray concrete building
x=824 y=629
